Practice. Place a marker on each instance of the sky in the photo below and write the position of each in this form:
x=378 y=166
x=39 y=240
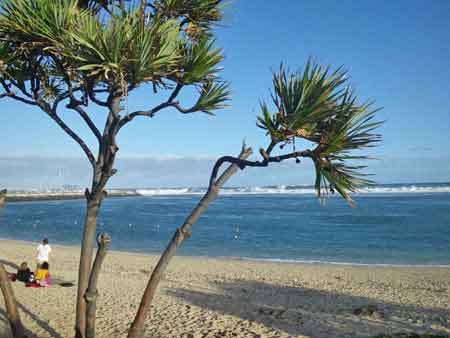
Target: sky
x=397 y=54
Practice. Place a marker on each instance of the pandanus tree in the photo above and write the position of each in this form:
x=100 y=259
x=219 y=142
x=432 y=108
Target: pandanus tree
x=312 y=108
x=81 y=56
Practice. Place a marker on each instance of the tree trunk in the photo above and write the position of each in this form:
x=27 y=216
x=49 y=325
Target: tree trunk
x=2 y=198
x=11 y=306
x=87 y=251
x=103 y=241
x=103 y=170
x=180 y=235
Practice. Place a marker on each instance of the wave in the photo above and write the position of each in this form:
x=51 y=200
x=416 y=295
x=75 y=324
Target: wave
x=153 y=192
x=301 y=190
x=325 y=262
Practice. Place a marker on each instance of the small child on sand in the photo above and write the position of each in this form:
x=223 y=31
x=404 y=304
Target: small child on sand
x=42 y=276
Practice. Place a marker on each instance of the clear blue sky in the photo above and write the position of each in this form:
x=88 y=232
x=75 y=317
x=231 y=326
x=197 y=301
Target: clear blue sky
x=397 y=53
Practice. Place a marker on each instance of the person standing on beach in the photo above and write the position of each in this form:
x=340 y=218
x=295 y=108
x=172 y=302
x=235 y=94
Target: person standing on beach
x=43 y=251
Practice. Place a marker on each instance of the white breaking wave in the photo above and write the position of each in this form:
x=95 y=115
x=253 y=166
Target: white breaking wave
x=153 y=192
x=299 y=190
x=313 y=261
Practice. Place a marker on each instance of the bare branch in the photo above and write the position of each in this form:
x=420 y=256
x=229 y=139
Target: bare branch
x=70 y=89
x=11 y=94
x=19 y=98
x=241 y=163
x=21 y=87
x=232 y=169
x=66 y=95
x=74 y=104
x=88 y=120
x=175 y=92
x=150 y=113
x=52 y=113
x=94 y=99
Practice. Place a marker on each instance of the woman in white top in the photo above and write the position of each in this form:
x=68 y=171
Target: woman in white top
x=43 y=252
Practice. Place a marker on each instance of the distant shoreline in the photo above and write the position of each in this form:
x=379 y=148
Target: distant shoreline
x=55 y=196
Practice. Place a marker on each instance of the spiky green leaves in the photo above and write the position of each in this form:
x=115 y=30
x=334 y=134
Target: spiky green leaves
x=316 y=105
x=128 y=47
x=303 y=99
x=201 y=13
x=213 y=96
x=200 y=60
x=39 y=21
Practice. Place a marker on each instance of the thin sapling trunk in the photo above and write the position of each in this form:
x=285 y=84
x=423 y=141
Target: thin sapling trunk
x=86 y=255
x=103 y=241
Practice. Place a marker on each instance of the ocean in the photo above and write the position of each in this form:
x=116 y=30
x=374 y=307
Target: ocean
x=391 y=224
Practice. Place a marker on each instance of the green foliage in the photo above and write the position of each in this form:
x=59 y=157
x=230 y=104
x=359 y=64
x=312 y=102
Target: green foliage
x=200 y=60
x=212 y=97
x=121 y=48
x=125 y=49
x=317 y=106
x=39 y=21
x=203 y=13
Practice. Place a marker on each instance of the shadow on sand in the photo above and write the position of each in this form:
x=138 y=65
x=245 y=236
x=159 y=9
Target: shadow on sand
x=9 y=264
x=4 y=324
x=311 y=312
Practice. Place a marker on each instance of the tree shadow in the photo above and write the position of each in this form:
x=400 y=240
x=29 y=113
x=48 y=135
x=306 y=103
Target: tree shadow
x=40 y=322
x=4 y=323
x=5 y=331
x=10 y=264
x=311 y=312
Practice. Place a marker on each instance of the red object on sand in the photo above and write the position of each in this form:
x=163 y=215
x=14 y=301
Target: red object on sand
x=32 y=285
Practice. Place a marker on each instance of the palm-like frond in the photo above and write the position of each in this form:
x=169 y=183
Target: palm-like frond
x=39 y=21
x=316 y=105
x=126 y=48
x=203 y=13
x=200 y=60
x=213 y=96
x=129 y=47
x=303 y=99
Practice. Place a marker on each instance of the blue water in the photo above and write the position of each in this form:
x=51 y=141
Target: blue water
x=382 y=229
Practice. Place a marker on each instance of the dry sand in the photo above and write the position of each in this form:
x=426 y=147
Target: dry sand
x=203 y=297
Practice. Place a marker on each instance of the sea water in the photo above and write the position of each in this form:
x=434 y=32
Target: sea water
x=400 y=225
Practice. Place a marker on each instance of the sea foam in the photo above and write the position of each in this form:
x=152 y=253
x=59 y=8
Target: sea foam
x=285 y=189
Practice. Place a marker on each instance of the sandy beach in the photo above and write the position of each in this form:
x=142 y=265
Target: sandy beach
x=205 y=297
